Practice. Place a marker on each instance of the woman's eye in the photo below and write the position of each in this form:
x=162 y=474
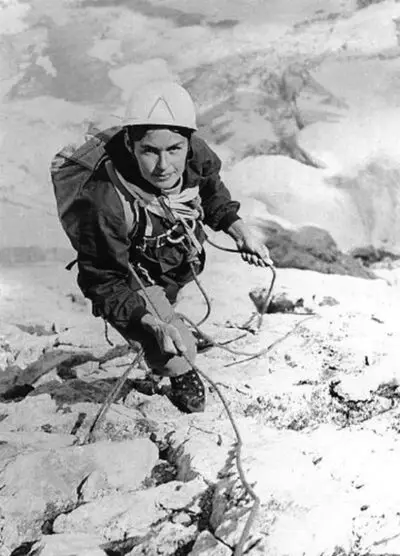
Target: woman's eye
x=149 y=150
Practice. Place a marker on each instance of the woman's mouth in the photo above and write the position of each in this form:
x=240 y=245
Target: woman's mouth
x=163 y=177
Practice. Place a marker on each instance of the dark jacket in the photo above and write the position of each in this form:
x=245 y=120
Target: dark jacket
x=105 y=248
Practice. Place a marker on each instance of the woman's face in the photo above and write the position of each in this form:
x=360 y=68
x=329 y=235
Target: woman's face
x=161 y=156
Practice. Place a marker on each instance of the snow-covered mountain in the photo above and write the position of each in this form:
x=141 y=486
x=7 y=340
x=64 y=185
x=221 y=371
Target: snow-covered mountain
x=68 y=64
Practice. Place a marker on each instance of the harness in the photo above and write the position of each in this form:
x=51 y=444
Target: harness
x=180 y=213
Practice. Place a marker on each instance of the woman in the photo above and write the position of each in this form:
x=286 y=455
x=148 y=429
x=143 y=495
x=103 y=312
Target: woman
x=171 y=178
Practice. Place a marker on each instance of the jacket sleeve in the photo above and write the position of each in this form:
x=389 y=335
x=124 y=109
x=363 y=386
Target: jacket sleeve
x=103 y=260
x=220 y=210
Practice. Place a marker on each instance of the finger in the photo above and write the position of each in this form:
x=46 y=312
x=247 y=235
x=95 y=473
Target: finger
x=261 y=262
x=252 y=259
x=159 y=336
x=168 y=345
x=177 y=340
x=249 y=258
x=258 y=261
x=265 y=258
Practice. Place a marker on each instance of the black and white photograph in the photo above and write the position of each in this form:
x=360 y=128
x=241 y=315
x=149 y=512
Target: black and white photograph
x=199 y=277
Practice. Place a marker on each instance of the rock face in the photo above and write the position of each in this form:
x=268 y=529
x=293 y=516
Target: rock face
x=303 y=197
x=132 y=514
x=372 y=256
x=317 y=415
x=208 y=544
x=65 y=545
x=310 y=248
x=53 y=480
x=260 y=119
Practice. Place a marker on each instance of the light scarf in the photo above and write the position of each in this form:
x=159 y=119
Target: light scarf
x=175 y=199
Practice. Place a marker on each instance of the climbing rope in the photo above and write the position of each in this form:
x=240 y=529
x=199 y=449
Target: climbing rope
x=222 y=345
x=238 y=456
x=106 y=334
x=267 y=300
x=247 y=487
x=204 y=294
x=238 y=551
x=89 y=438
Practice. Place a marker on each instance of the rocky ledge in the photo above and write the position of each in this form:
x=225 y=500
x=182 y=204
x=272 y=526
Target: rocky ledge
x=318 y=414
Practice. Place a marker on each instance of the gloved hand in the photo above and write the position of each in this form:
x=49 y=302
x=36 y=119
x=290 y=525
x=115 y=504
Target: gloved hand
x=252 y=249
x=167 y=335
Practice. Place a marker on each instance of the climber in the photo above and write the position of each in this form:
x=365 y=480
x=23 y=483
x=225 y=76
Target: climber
x=170 y=177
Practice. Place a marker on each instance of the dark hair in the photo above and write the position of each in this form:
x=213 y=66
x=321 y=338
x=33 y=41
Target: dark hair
x=137 y=132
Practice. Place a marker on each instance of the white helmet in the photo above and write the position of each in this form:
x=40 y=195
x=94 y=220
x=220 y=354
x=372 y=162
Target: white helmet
x=164 y=103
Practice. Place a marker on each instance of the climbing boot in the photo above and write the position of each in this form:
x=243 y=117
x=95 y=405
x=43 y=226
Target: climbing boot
x=188 y=392
x=202 y=343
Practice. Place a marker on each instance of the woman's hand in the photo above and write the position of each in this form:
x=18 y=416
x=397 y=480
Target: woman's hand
x=167 y=335
x=252 y=249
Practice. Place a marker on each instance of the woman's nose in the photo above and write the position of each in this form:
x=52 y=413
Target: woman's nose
x=163 y=161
